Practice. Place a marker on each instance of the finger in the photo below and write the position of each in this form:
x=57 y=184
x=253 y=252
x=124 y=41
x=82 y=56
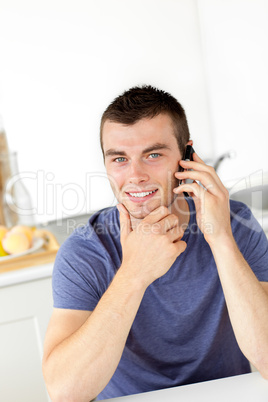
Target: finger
x=197 y=158
x=156 y=215
x=200 y=166
x=175 y=234
x=181 y=246
x=125 y=222
x=165 y=224
x=192 y=188
x=204 y=178
x=170 y=222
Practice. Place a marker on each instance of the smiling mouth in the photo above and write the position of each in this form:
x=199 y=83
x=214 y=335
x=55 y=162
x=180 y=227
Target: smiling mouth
x=141 y=194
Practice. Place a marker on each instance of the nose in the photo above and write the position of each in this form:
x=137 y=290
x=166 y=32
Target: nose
x=137 y=173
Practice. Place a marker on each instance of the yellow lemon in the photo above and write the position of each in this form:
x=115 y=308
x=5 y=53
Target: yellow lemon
x=3 y=232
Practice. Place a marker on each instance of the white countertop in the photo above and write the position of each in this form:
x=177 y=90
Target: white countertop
x=246 y=388
x=25 y=274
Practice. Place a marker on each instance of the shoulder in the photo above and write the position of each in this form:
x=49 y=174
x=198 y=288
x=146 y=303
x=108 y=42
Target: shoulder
x=99 y=223
x=87 y=262
x=106 y=220
x=242 y=218
x=95 y=234
x=246 y=229
x=250 y=239
x=238 y=207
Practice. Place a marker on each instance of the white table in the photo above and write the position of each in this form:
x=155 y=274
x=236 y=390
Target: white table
x=246 y=388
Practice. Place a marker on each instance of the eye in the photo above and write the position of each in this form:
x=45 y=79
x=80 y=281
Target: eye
x=154 y=155
x=120 y=159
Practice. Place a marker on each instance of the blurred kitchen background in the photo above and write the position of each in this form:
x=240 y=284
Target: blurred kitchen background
x=62 y=62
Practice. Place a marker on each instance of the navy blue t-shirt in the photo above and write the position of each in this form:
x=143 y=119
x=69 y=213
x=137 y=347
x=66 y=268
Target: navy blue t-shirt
x=182 y=332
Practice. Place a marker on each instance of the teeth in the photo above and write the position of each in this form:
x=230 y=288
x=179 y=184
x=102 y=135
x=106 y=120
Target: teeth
x=143 y=194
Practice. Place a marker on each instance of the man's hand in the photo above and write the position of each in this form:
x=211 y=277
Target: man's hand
x=152 y=247
x=211 y=200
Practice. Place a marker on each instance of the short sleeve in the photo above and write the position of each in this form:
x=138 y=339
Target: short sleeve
x=81 y=274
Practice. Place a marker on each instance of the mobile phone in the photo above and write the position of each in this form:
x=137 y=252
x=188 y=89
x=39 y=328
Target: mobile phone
x=188 y=156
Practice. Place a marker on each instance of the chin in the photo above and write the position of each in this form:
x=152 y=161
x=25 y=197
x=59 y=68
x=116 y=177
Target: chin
x=142 y=211
x=138 y=213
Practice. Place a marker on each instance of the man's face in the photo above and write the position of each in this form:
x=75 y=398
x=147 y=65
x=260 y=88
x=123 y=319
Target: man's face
x=141 y=160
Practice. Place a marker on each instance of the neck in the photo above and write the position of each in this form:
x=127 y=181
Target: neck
x=180 y=208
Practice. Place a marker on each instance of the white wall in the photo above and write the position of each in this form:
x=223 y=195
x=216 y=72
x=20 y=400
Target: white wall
x=63 y=62
x=234 y=39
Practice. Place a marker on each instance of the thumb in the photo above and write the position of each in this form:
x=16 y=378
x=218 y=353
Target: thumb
x=125 y=222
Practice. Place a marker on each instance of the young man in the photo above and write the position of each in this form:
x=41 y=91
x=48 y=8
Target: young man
x=163 y=290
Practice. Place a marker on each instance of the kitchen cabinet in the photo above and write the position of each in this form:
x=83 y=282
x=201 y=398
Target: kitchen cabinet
x=25 y=309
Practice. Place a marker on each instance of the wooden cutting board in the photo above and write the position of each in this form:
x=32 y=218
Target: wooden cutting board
x=42 y=256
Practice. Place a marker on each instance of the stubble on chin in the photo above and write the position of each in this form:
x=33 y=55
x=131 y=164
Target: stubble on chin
x=139 y=212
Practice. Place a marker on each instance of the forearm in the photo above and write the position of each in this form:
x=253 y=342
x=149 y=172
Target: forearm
x=246 y=300
x=81 y=366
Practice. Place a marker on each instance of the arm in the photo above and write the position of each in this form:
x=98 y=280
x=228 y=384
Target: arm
x=83 y=349
x=247 y=302
x=246 y=297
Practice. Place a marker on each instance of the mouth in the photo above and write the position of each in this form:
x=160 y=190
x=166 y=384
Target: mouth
x=141 y=196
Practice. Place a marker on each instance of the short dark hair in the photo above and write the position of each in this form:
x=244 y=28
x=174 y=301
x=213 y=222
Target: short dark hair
x=147 y=102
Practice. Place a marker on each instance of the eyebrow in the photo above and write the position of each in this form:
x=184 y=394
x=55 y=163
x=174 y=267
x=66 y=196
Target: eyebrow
x=155 y=147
